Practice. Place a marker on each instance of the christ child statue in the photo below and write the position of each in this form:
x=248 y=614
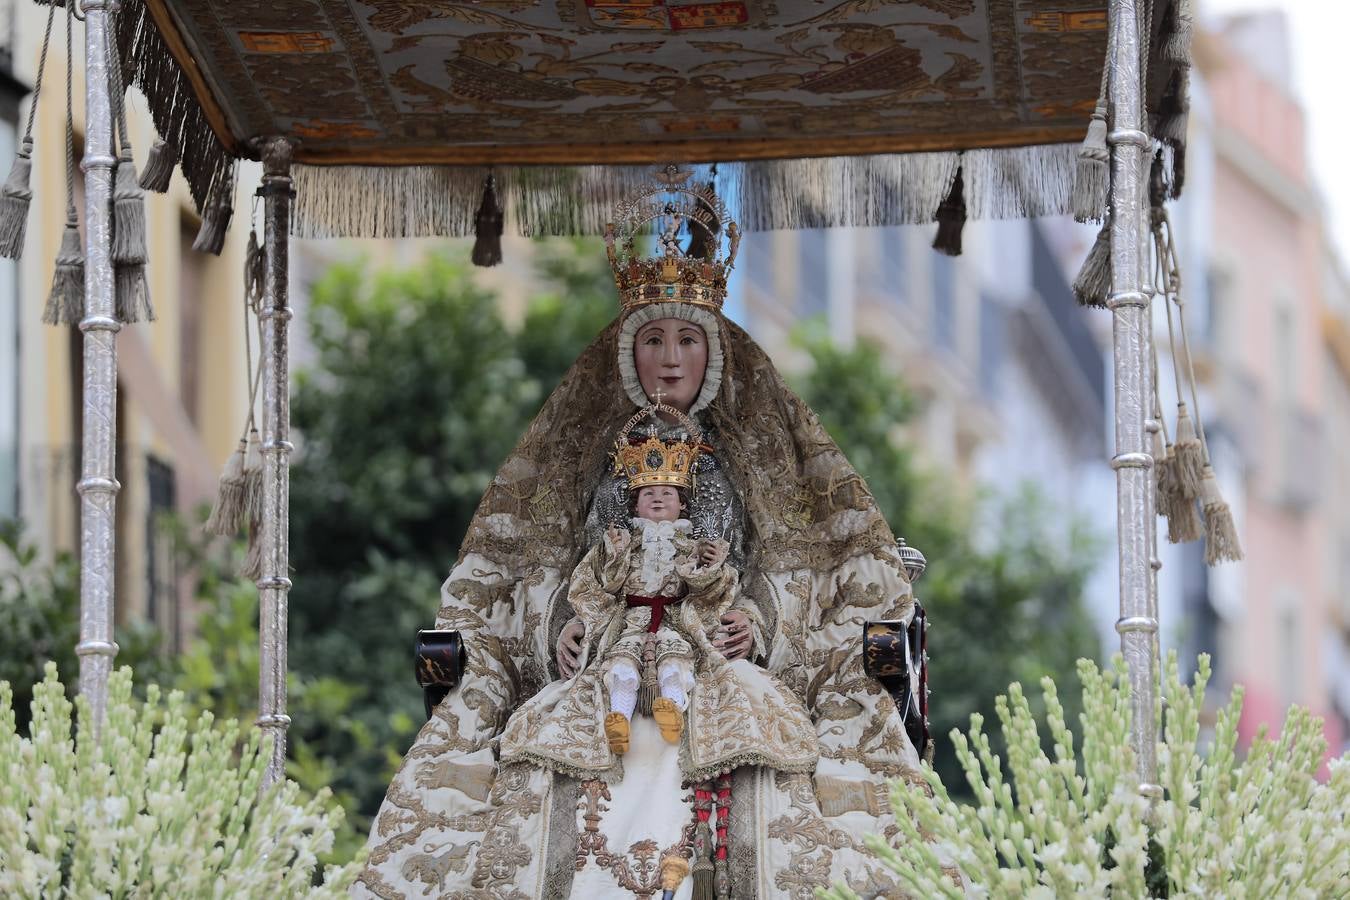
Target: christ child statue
x=650 y=595
x=648 y=572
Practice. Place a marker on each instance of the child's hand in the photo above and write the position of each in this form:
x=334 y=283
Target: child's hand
x=616 y=537
x=711 y=553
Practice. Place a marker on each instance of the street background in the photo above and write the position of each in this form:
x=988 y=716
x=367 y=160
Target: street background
x=973 y=394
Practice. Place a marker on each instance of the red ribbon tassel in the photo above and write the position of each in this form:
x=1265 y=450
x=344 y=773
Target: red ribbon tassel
x=723 y=813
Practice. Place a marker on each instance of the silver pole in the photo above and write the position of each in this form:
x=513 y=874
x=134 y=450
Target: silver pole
x=1131 y=338
x=97 y=486
x=273 y=587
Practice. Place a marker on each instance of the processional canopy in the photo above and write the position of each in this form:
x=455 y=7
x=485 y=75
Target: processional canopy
x=818 y=112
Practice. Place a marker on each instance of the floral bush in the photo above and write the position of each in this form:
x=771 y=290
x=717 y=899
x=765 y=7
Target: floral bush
x=154 y=807
x=1072 y=823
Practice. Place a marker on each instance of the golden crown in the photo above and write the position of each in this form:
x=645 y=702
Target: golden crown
x=653 y=461
x=674 y=275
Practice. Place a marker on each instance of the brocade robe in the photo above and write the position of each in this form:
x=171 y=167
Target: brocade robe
x=738 y=713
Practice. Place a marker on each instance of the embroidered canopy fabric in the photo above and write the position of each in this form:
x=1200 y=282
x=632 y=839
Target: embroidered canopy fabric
x=431 y=92
x=645 y=81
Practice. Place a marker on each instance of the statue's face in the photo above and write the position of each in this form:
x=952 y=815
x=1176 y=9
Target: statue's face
x=659 y=503
x=671 y=356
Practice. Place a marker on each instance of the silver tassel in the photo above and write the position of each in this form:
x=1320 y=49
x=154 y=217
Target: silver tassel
x=253 y=476
x=227 y=516
x=15 y=198
x=1174 y=109
x=65 y=301
x=1190 y=458
x=216 y=219
x=255 y=268
x=1092 y=176
x=1093 y=283
x=252 y=566
x=159 y=165
x=1221 y=539
x=1176 y=47
x=132 y=292
x=128 y=214
x=1162 y=472
x=1183 y=518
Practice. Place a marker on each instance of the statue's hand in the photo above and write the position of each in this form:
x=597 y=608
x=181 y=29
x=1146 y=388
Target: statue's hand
x=734 y=638
x=712 y=553
x=617 y=539
x=569 y=647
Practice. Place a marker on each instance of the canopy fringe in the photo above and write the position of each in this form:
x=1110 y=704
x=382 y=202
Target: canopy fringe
x=174 y=109
x=892 y=189
x=360 y=201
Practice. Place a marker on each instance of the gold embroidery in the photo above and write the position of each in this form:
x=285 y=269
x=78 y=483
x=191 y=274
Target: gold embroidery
x=639 y=869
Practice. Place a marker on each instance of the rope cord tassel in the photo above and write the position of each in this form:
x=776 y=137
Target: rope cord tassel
x=237 y=502
x=951 y=218
x=1092 y=172
x=1093 y=282
x=702 y=868
x=16 y=195
x=1220 y=530
x=1176 y=47
x=174 y=109
x=227 y=514
x=488 y=224
x=1221 y=538
x=216 y=216
x=15 y=198
x=131 y=289
x=721 y=867
x=648 y=688
x=65 y=300
x=159 y=165
x=1183 y=522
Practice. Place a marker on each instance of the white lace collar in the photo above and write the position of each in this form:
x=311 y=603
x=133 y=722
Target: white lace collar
x=658 y=549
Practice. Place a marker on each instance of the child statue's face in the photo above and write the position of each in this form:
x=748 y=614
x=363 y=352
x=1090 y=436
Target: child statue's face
x=659 y=503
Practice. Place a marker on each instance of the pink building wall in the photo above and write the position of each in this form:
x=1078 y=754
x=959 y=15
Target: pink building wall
x=1268 y=243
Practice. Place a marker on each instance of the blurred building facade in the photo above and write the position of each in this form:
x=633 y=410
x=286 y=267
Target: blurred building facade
x=1009 y=380
x=182 y=391
x=1011 y=377
x=1272 y=352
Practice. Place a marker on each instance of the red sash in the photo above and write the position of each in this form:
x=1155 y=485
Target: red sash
x=658 y=605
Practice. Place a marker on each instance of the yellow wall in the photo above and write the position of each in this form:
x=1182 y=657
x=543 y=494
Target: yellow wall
x=152 y=419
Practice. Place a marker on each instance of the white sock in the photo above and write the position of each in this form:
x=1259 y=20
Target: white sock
x=622 y=681
x=672 y=685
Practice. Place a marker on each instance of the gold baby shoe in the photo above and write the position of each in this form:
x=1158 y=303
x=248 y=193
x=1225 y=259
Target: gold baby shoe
x=669 y=718
x=616 y=731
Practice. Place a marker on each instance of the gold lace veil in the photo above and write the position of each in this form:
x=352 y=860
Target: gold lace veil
x=806 y=507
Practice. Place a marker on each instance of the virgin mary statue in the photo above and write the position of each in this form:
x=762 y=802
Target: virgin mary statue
x=472 y=813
